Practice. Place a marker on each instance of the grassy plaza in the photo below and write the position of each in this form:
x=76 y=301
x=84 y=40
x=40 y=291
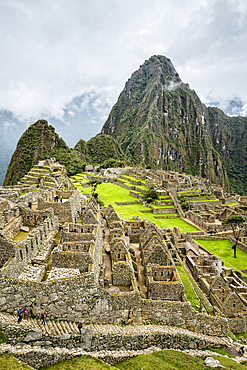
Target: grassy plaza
x=111 y=193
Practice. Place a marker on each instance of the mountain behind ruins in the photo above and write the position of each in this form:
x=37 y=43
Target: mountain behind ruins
x=158 y=122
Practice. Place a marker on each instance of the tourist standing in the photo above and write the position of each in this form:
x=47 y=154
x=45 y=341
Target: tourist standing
x=18 y=314
x=79 y=327
x=25 y=313
x=43 y=318
x=19 y=317
x=61 y=198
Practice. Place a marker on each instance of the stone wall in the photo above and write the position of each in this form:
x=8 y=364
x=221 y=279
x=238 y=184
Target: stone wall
x=28 y=249
x=237 y=324
x=199 y=220
x=8 y=215
x=182 y=314
x=157 y=211
x=7 y=250
x=67 y=211
x=72 y=260
x=13 y=228
x=36 y=357
x=33 y=217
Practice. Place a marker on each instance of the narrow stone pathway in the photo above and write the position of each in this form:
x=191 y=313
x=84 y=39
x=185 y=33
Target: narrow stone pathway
x=64 y=327
x=140 y=269
x=107 y=259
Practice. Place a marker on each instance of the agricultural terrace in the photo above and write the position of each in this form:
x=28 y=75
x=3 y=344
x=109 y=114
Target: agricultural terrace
x=111 y=193
x=223 y=249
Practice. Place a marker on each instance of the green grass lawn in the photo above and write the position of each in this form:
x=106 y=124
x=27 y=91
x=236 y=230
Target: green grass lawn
x=110 y=193
x=158 y=207
x=232 y=204
x=223 y=249
x=189 y=291
x=173 y=360
x=133 y=178
x=79 y=363
x=8 y=362
x=164 y=200
x=160 y=360
x=183 y=226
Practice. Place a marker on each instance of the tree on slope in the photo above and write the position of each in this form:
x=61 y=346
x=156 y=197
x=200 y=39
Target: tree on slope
x=235 y=222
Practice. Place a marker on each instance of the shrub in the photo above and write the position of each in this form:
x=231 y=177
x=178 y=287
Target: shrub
x=185 y=206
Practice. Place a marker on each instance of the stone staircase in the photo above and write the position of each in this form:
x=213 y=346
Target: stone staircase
x=51 y=327
x=32 y=177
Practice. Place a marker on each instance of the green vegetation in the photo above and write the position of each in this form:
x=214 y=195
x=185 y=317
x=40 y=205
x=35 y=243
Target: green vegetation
x=161 y=207
x=8 y=362
x=79 y=363
x=69 y=159
x=223 y=249
x=2 y=338
x=192 y=291
x=173 y=360
x=22 y=235
x=111 y=193
x=235 y=222
x=188 y=288
x=160 y=360
x=35 y=144
x=232 y=204
x=100 y=150
x=150 y=195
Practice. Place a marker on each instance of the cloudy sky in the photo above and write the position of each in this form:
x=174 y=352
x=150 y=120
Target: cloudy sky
x=68 y=60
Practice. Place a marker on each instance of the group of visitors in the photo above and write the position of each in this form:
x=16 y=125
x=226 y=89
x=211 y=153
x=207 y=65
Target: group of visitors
x=56 y=198
x=21 y=311
x=212 y=232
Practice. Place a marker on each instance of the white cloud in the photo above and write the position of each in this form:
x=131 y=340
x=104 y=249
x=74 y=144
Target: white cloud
x=55 y=51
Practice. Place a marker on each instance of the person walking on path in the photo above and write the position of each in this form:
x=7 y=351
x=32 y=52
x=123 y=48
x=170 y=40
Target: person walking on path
x=18 y=314
x=25 y=313
x=79 y=327
x=43 y=318
x=61 y=198
x=19 y=317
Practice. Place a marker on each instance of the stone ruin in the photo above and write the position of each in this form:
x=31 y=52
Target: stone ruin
x=61 y=266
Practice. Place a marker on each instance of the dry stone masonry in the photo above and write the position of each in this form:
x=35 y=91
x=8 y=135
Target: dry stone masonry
x=64 y=255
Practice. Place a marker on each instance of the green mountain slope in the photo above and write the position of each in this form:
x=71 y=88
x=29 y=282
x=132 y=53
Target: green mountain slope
x=160 y=122
x=99 y=149
x=35 y=143
x=40 y=141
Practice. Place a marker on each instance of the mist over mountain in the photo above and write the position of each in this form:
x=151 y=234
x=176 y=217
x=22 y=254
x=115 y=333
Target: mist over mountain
x=82 y=118
x=158 y=121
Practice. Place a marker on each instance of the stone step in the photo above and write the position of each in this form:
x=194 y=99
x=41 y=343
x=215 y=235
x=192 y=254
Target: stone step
x=62 y=327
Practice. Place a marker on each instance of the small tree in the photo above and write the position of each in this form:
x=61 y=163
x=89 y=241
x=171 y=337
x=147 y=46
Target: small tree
x=234 y=222
x=94 y=184
x=150 y=195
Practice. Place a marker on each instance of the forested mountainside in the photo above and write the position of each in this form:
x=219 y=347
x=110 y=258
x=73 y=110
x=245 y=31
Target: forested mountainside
x=160 y=122
x=40 y=141
x=157 y=122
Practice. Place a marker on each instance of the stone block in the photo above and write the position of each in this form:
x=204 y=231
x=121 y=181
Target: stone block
x=53 y=297
x=2 y=301
x=81 y=307
x=33 y=335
